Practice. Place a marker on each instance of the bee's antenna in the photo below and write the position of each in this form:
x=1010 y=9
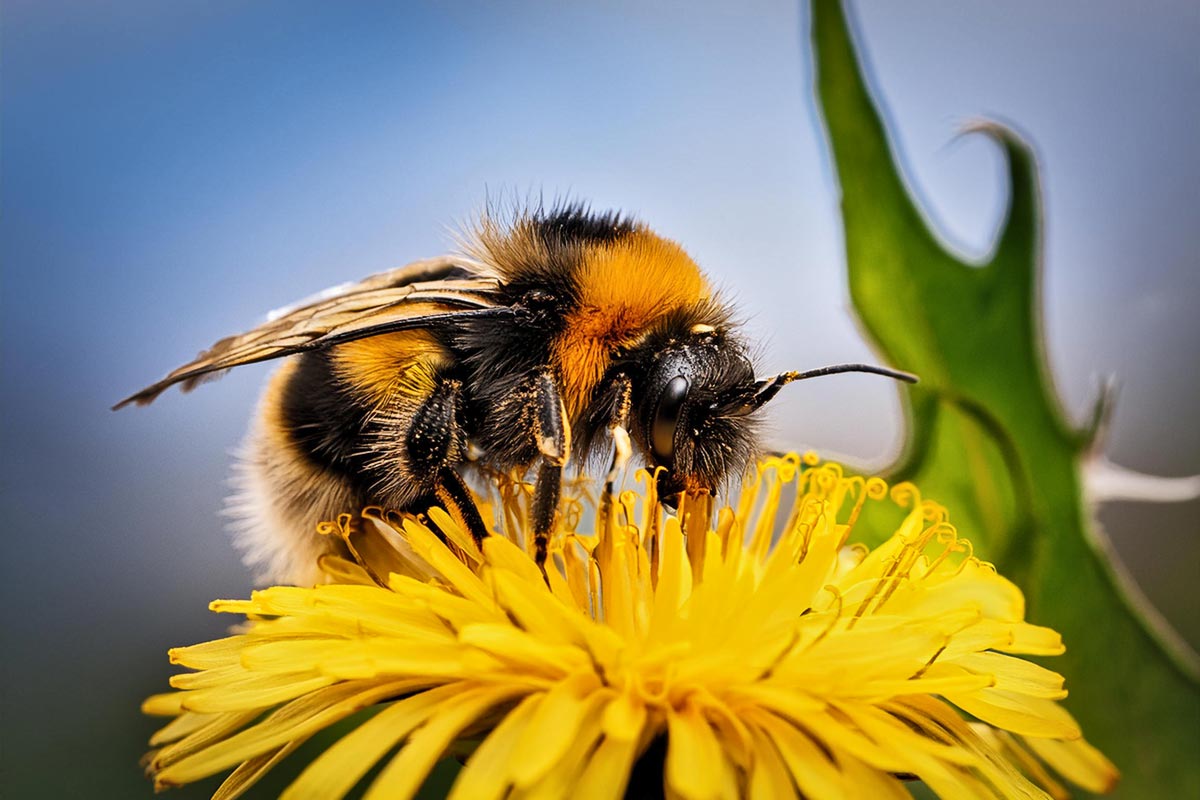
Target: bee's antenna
x=887 y=372
x=765 y=389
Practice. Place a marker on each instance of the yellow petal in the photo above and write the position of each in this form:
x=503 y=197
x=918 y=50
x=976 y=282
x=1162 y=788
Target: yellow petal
x=1016 y=674
x=1028 y=716
x=561 y=779
x=1034 y=640
x=536 y=610
x=186 y=723
x=438 y=556
x=900 y=740
x=842 y=738
x=936 y=719
x=1078 y=762
x=934 y=681
x=576 y=561
x=299 y=718
x=456 y=611
x=382 y=550
x=811 y=769
x=871 y=782
x=974 y=585
x=617 y=596
x=503 y=554
x=786 y=701
x=524 y=651
x=339 y=768
x=405 y=773
x=248 y=773
x=428 y=663
x=209 y=655
x=769 y=776
x=255 y=691
x=608 y=769
x=340 y=570
x=674 y=580
x=486 y=775
x=694 y=759
x=624 y=717
x=553 y=727
x=455 y=533
x=167 y=704
x=220 y=726
x=290 y=656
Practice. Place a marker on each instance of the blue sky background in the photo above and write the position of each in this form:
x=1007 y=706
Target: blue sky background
x=170 y=171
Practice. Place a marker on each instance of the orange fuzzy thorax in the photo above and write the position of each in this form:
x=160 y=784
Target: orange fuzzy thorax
x=624 y=288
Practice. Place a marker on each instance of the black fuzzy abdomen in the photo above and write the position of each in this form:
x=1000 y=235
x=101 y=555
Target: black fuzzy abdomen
x=328 y=424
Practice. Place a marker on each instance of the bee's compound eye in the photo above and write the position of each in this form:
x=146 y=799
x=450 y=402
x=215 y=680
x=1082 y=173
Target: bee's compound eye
x=666 y=417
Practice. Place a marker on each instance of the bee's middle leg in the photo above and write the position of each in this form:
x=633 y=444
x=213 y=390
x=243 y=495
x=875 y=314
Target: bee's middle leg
x=435 y=443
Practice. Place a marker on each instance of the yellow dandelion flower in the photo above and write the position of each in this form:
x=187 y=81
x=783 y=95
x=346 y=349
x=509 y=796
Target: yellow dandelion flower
x=762 y=654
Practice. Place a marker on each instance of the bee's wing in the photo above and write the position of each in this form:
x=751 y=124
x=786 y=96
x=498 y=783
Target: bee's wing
x=421 y=295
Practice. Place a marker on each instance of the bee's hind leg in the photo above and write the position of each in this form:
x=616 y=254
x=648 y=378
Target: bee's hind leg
x=435 y=443
x=453 y=495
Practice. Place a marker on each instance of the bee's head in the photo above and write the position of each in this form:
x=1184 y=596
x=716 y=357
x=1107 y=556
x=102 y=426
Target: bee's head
x=696 y=415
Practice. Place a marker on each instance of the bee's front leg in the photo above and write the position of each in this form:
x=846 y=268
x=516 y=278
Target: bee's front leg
x=552 y=432
x=619 y=401
x=612 y=406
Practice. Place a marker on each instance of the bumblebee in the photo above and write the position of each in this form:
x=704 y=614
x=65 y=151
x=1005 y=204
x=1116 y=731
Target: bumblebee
x=558 y=337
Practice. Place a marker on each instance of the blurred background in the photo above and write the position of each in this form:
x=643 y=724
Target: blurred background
x=171 y=171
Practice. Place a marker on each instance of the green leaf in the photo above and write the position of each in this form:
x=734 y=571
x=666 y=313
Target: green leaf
x=987 y=436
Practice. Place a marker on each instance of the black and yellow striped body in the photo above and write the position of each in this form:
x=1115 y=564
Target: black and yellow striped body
x=374 y=421
x=333 y=437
